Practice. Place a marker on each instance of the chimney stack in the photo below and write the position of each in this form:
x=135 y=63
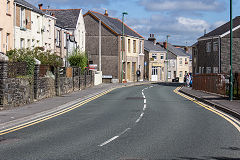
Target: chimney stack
x=40 y=6
x=152 y=38
x=106 y=13
x=165 y=45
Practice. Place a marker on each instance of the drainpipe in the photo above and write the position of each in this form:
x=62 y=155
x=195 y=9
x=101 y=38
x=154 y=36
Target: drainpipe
x=15 y=25
x=219 y=54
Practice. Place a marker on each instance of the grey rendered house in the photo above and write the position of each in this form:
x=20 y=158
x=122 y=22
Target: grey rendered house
x=104 y=36
x=155 y=60
x=213 y=50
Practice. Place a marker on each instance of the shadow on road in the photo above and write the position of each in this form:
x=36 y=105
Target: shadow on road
x=169 y=84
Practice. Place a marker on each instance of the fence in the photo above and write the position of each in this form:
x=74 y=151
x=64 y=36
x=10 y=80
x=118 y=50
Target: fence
x=215 y=83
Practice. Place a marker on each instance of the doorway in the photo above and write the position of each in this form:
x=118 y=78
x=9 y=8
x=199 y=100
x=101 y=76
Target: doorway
x=154 y=76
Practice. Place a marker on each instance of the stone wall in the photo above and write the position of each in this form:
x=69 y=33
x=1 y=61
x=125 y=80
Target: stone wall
x=46 y=88
x=20 y=91
x=225 y=55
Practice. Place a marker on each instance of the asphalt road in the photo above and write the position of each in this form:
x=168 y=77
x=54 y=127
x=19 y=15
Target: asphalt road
x=122 y=125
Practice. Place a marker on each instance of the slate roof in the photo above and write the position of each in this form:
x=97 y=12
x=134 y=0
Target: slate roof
x=148 y=45
x=28 y=5
x=66 y=18
x=115 y=24
x=223 y=29
x=175 y=51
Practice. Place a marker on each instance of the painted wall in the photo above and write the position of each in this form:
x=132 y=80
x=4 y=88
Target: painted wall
x=30 y=35
x=6 y=25
x=182 y=67
x=80 y=32
x=48 y=32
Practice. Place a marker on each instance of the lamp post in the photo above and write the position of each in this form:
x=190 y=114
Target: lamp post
x=123 y=14
x=231 y=40
x=167 y=58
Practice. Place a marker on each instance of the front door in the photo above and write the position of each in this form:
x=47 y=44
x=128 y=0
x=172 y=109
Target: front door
x=154 y=74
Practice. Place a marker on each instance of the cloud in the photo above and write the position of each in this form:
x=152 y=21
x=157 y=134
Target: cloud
x=183 y=5
x=181 y=29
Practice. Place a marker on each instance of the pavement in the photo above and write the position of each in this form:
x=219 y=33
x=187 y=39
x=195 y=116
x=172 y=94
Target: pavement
x=145 y=122
x=218 y=101
x=18 y=115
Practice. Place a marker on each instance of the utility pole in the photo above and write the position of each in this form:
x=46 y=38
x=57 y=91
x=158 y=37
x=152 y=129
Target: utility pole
x=167 y=58
x=123 y=40
x=100 y=46
x=231 y=41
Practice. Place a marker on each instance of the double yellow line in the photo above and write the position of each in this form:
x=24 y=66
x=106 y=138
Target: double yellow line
x=230 y=119
x=44 y=118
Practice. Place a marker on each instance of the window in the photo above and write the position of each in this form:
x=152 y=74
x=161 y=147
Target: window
x=33 y=43
x=140 y=47
x=154 y=56
x=38 y=25
x=208 y=47
x=49 y=28
x=180 y=61
x=169 y=74
x=186 y=61
x=58 y=38
x=29 y=43
x=200 y=70
x=8 y=7
x=134 y=46
x=180 y=74
x=38 y=43
x=215 y=69
x=162 y=57
x=215 y=46
x=65 y=40
x=7 y=41
x=22 y=43
x=172 y=64
x=154 y=71
x=22 y=18
x=209 y=69
x=129 y=47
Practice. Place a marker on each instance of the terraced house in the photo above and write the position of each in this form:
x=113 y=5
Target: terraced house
x=32 y=27
x=6 y=25
x=69 y=30
x=104 y=35
x=155 y=60
x=213 y=50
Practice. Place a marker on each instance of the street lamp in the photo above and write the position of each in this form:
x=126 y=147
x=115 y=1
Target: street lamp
x=123 y=14
x=231 y=41
x=167 y=58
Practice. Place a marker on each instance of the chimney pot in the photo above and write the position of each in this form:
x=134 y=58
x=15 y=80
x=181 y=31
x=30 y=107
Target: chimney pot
x=40 y=6
x=106 y=13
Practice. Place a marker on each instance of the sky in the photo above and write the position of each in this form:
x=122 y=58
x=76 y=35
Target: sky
x=184 y=20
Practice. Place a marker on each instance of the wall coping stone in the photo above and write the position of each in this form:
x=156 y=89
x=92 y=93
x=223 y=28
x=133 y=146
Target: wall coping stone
x=3 y=58
x=37 y=62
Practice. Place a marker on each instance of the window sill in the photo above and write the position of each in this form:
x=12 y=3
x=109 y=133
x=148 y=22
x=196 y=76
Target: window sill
x=23 y=29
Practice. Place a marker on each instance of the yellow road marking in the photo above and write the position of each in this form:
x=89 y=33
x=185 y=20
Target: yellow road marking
x=230 y=119
x=41 y=119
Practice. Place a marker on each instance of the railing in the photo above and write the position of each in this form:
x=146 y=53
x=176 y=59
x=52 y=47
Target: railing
x=214 y=83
